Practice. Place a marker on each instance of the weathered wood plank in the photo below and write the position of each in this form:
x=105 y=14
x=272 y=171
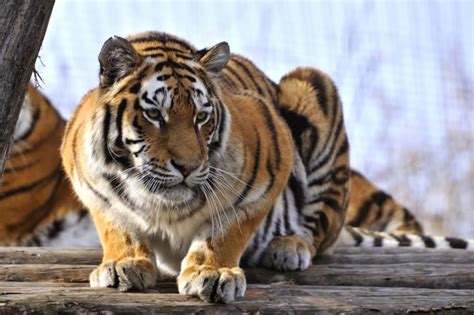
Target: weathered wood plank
x=23 y=24
x=44 y=255
x=453 y=257
x=353 y=250
x=416 y=275
x=41 y=255
x=266 y=299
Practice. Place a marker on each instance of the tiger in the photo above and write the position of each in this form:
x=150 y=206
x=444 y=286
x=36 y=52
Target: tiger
x=194 y=164
x=37 y=204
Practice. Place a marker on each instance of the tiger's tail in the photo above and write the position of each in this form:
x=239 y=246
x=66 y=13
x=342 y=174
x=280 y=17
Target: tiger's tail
x=359 y=237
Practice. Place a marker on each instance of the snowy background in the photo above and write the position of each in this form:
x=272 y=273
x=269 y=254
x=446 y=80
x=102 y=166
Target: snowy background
x=405 y=71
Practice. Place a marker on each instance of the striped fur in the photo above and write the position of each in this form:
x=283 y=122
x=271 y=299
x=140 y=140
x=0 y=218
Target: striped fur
x=37 y=204
x=375 y=210
x=193 y=161
x=306 y=98
x=177 y=167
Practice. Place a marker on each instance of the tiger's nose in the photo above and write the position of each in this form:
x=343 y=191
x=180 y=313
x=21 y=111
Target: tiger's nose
x=185 y=169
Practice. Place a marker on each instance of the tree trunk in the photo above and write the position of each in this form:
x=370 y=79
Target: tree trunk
x=23 y=24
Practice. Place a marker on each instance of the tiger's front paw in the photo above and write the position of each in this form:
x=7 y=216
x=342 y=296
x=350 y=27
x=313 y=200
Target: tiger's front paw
x=288 y=253
x=126 y=274
x=212 y=284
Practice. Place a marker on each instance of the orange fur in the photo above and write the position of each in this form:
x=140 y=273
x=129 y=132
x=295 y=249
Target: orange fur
x=113 y=132
x=34 y=193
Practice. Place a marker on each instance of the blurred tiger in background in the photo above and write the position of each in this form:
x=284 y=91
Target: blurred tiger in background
x=37 y=205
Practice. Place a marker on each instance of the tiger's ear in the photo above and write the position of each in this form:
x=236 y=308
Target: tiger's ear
x=117 y=59
x=214 y=59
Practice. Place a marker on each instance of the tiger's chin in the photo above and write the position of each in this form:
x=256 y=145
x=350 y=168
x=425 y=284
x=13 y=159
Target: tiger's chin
x=178 y=195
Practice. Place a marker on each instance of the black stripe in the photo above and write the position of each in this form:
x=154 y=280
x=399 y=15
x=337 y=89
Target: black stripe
x=278 y=231
x=403 y=240
x=133 y=141
x=155 y=55
x=162 y=38
x=317 y=81
x=356 y=236
x=269 y=84
x=174 y=65
x=321 y=180
x=237 y=76
x=220 y=125
x=118 y=122
x=134 y=89
x=105 y=135
x=325 y=158
x=185 y=76
x=118 y=187
x=249 y=74
x=273 y=132
x=456 y=242
x=136 y=125
x=253 y=178
x=340 y=175
x=286 y=217
x=271 y=181
x=378 y=241
x=329 y=202
x=124 y=158
x=428 y=240
x=38 y=214
x=377 y=199
x=298 y=125
x=154 y=52
x=19 y=168
x=298 y=192
x=184 y=56
x=23 y=189
x=320 y=219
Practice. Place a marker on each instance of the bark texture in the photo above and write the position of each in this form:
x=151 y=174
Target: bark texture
x=23 y=25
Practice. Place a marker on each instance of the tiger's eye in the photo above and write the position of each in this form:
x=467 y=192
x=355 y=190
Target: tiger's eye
x=153 y=113
x=201 y=116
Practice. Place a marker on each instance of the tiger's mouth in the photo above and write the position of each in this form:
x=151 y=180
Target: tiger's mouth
x=175 y=192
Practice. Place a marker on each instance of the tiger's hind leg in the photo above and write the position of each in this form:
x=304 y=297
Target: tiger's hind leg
x=310 y=104
x=308 y=217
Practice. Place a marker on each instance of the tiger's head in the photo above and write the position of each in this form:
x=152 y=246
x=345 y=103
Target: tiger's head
x=168 y=116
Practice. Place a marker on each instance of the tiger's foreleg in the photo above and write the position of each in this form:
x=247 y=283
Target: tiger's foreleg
x=211 y=269
x=127 y=263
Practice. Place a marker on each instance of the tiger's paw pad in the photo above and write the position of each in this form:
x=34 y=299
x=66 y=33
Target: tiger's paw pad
x=126 y=275
x=213 y=284
x=288 y=253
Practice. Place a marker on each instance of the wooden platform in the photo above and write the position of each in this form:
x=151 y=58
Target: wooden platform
x=353 y=281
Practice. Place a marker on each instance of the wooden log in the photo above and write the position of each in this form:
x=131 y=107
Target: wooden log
x=42 y=255
x=414 y=275
x=265 y=299
x=23 y=24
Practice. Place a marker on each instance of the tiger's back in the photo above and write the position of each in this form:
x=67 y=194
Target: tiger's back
x=36 y=201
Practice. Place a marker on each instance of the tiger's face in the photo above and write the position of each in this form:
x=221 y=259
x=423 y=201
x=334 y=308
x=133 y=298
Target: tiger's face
x=168 y=133
x=168 y=127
